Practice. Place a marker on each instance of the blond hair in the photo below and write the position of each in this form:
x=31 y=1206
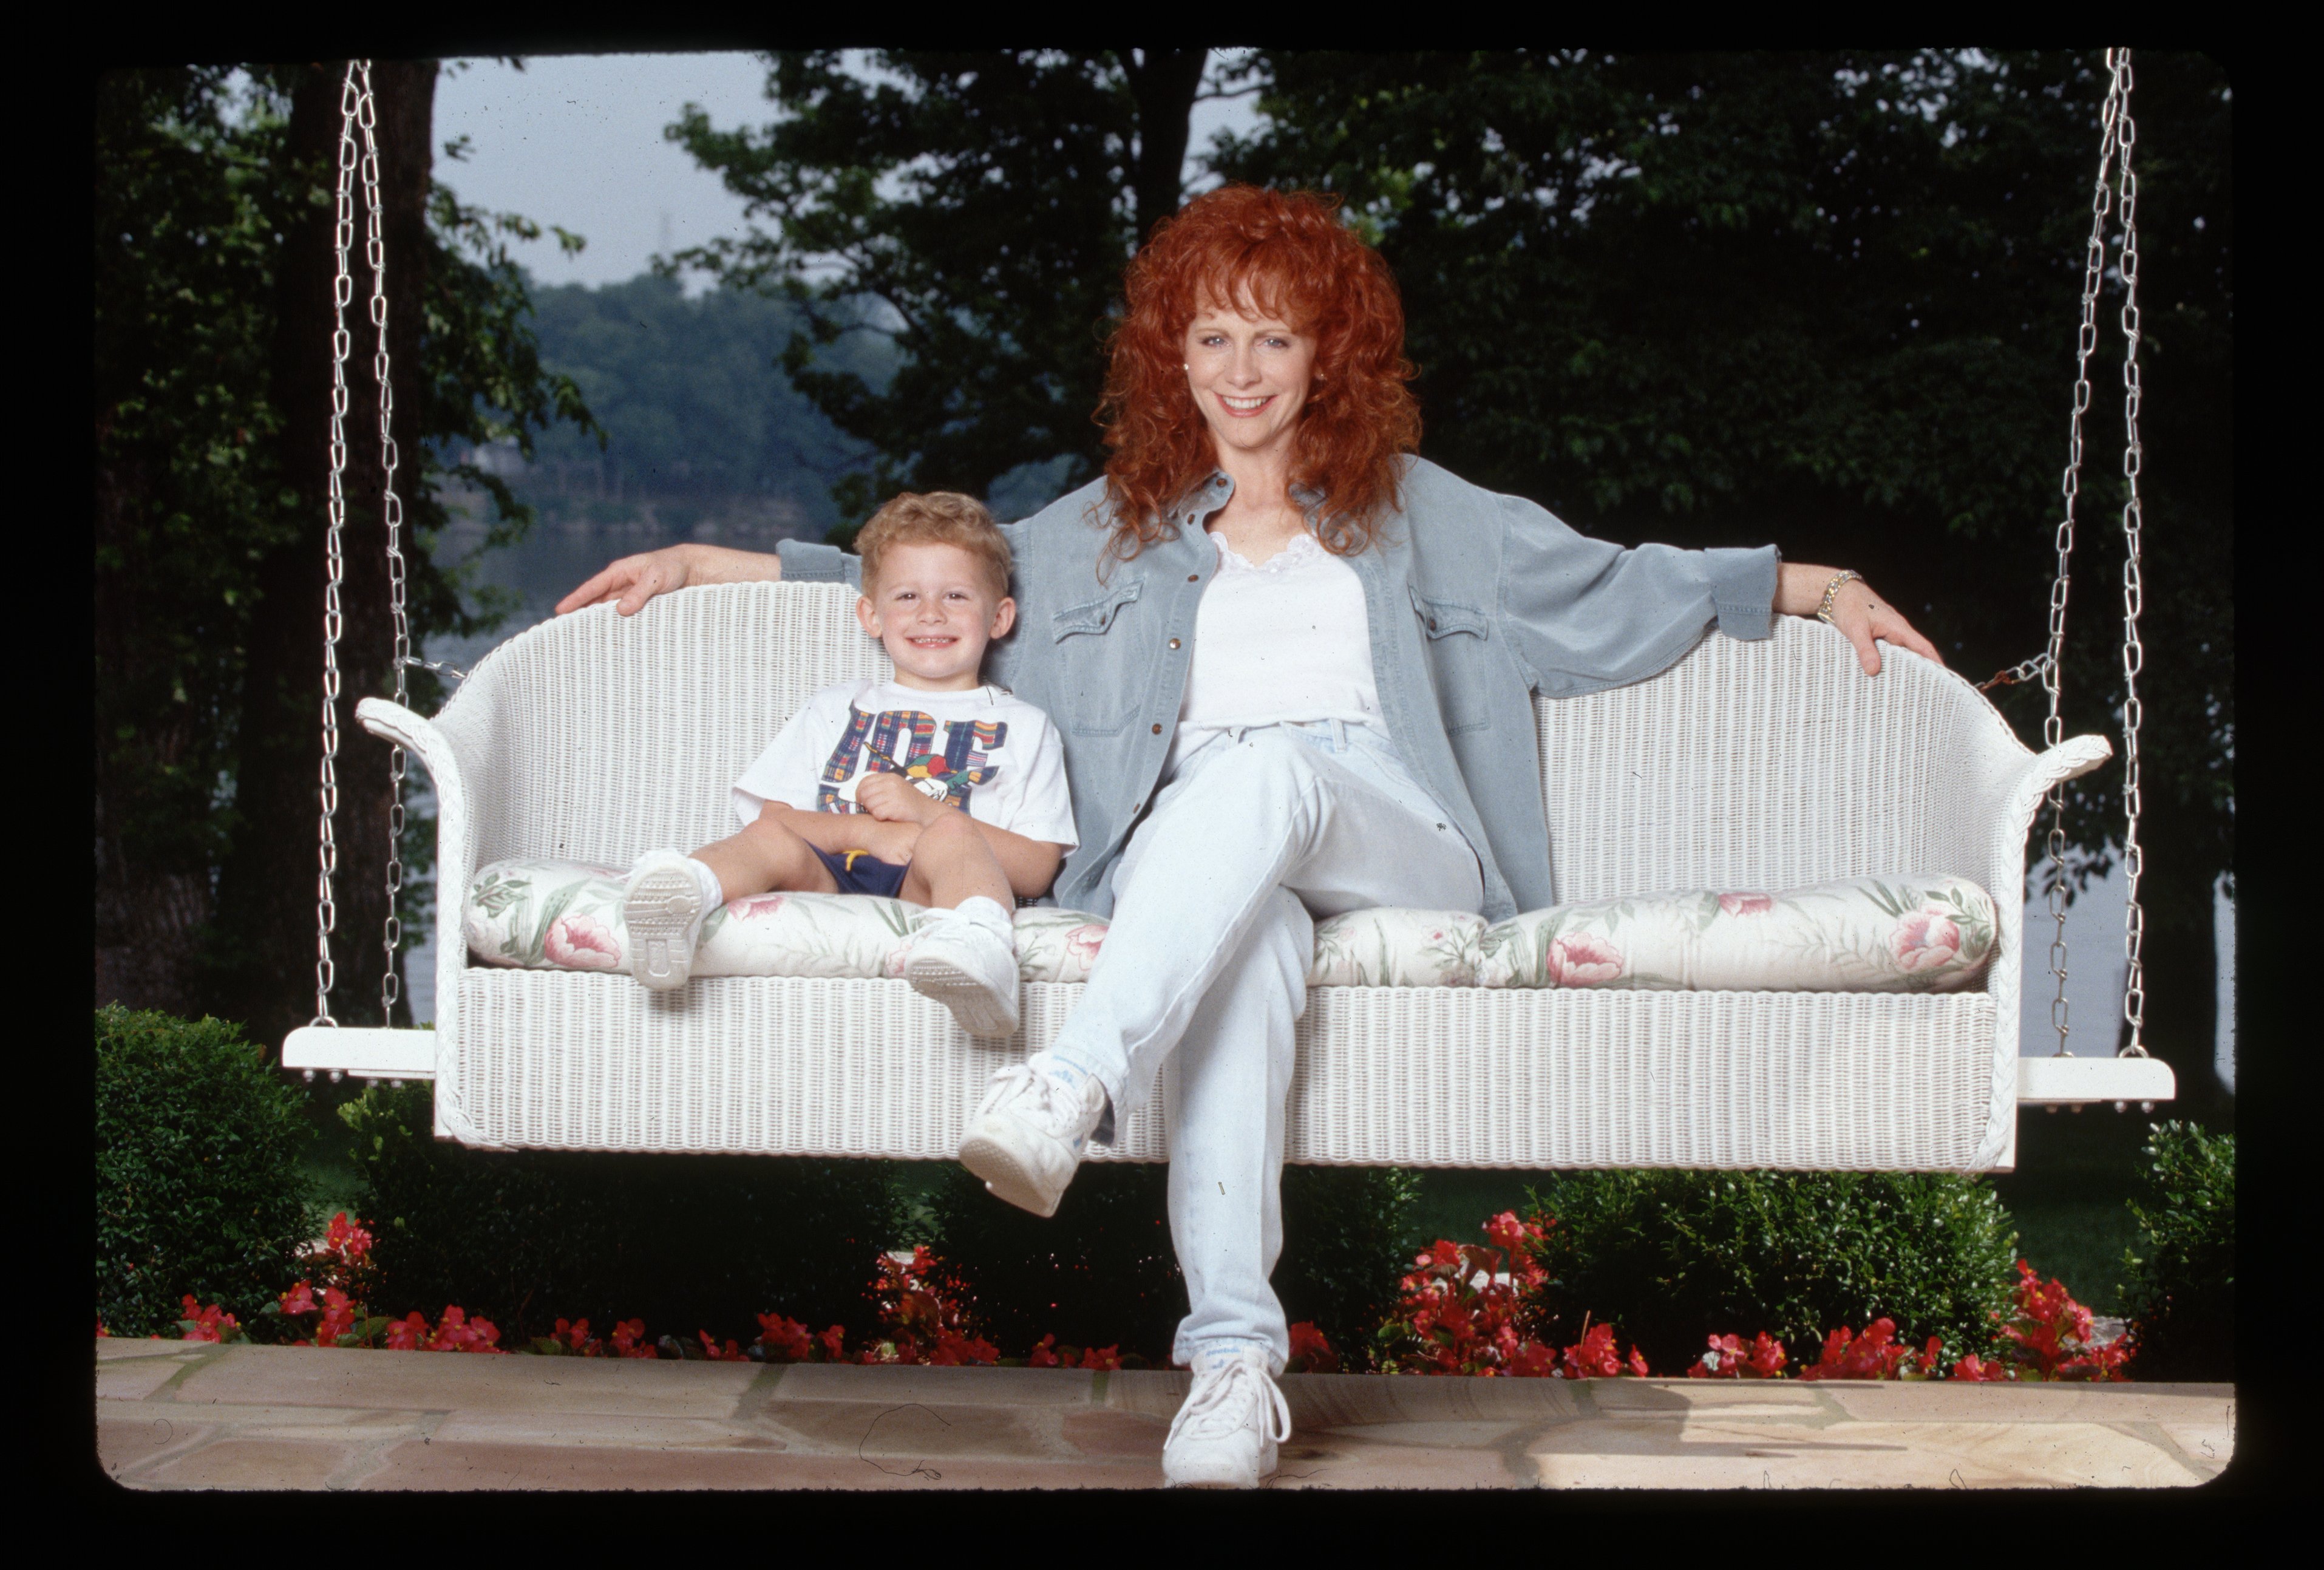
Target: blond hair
x=934 y=518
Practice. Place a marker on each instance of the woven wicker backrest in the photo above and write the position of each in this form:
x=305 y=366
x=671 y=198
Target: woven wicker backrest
x=628 y=731
x=1769 y=764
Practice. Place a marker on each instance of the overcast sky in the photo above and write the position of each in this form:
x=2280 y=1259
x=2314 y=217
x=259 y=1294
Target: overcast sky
x=576 y=141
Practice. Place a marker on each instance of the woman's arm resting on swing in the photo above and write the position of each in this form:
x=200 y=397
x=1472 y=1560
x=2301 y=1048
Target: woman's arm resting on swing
x=628 y=583
x=1863 y=615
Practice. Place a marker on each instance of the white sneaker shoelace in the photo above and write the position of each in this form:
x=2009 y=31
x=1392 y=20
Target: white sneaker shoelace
x=1222 y=1403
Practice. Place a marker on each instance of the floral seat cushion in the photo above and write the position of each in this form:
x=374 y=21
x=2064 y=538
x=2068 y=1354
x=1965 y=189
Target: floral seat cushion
x=1869 y=935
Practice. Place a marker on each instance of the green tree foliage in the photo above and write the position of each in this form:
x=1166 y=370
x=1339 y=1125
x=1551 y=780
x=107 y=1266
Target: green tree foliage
x=2182 y=1292
x=975 y=209
x=202 y=493
x=198 y=1182
x=1831 y=300
x=1672 y=1258
x=688 y=393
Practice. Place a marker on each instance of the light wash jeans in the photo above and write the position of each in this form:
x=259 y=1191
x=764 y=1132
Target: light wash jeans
x=1208 y=953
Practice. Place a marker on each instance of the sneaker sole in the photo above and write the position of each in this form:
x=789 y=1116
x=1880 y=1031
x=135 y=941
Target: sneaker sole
x=1200 y=1478
x=658 y=912
x=1004 y=1178
x=970 y=1002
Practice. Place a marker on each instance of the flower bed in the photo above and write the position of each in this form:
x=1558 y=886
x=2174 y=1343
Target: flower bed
x=1464 y=1309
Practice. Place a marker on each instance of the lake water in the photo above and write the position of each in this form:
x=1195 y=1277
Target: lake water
x=555 y=558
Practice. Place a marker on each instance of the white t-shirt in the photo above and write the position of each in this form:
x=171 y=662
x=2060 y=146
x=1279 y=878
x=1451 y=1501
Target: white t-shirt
x=984 y=751
x=1287 y=639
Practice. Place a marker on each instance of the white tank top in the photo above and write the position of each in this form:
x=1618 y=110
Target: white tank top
x=1286 y=639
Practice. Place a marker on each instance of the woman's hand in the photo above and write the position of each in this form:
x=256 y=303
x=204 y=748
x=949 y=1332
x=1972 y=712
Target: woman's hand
x=628 y=583
x=1867 y=620
x=632 y=581
x=890 y=798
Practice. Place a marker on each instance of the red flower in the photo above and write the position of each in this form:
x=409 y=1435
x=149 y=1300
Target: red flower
x=1311 y=1351
x=298 y=1299
x=207 y=1323
x=1747 y=904
x=1044 y=1355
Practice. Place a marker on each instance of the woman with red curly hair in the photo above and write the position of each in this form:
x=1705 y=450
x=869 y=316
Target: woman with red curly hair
x=1294 y=664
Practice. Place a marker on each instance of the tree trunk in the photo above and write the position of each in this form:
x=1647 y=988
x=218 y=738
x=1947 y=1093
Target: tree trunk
x=1163 y=82
x=267 y=889
x=149 y=917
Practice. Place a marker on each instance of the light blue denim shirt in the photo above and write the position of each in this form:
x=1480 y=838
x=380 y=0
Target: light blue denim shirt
x=1476 y=602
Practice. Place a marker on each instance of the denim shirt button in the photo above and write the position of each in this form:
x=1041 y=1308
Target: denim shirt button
x=1173 y=643
x=1158 y=730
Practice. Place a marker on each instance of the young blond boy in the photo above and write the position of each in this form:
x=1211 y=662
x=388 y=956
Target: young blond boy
x=932 y=786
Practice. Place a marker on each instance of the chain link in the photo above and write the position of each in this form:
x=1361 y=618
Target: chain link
x=2053 y=728
x=2023 y=670
x=2133 y=591
x=358 y=152
x=390 y=983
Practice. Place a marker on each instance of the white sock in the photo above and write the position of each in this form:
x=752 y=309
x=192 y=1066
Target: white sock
x=714 y=894
x=979 y=912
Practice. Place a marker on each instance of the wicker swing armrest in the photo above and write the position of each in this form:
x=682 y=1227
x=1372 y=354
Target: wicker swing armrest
x=455 y=856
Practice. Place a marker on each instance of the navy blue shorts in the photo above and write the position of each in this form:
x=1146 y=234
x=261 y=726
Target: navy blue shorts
x=867 y=874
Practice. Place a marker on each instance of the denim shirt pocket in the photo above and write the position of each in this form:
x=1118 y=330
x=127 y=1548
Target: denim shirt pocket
x=1459 y=660
x=1102 y=672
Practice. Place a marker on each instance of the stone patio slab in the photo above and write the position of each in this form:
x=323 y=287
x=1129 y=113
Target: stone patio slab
x=324 y=1376
x=243 y=1417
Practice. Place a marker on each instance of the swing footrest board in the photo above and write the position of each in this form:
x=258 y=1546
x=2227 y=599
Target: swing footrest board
x=376 y=1054
x=2074 y=1081
x=366 y=1052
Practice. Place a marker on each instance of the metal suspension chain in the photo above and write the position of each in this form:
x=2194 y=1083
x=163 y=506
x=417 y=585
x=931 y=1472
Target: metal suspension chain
x=2134 y=594
x=390 y=985
x=358 y=113
x=2052 y=664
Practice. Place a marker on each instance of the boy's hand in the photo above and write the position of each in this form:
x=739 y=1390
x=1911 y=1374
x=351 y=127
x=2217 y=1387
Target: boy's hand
x=889 y=842
x=890 y=798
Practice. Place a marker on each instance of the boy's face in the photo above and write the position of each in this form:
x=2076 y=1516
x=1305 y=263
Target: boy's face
x=935 y=609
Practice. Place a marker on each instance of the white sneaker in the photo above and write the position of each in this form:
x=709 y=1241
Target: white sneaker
x=970 y=969
x=1226 y=1435
x=663 y=907
x=1026 y=1138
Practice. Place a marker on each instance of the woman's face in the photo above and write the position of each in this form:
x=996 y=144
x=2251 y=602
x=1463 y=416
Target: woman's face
x=1249 y=375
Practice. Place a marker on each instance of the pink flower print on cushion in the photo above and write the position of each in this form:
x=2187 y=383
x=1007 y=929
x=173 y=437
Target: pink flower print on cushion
x=757 y=908
x=1745 y=904
x=1925 y=940
x=581 y=943
x=1083 y=943
x=1584 y=960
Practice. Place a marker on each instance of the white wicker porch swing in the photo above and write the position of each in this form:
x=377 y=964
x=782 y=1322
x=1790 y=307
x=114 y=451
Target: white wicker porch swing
x=1771 y=764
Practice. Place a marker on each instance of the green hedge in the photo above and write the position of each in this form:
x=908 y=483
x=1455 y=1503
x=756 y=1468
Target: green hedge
x=199 y=1187
x=1670 y=1258
x=2183 y=1291
x=1102 y=1271
x=684 y=1243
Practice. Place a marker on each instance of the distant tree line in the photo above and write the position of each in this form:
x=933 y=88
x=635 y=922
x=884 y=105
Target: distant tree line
x=693 y=407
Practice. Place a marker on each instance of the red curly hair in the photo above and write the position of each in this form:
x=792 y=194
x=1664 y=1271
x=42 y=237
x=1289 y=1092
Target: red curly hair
x=1294 y=260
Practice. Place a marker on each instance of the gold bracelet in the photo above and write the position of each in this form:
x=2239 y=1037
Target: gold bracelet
x=1832 y=591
